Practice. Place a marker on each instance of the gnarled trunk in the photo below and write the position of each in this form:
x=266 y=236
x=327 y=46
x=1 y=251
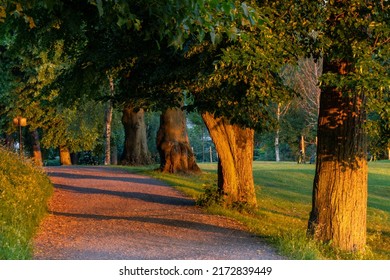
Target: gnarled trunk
x=65 y=156
x=234 y=145
x=135 y=147
x=173 y=145
x=340 y=186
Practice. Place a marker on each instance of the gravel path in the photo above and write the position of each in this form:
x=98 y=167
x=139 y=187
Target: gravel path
x=106 y=213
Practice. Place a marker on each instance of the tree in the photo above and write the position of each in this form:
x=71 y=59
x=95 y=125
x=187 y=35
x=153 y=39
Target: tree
x=234 y=145
x=238 y=80
x=353 y=40
x=36 y=147
x=173 y=144
x=75 y=129
x=108 y=121
x=304 y=80
x=280 y=111
x=136 y=150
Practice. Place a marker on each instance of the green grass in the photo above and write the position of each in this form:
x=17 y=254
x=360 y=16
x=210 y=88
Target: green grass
x=24 y=191
x=284 y=199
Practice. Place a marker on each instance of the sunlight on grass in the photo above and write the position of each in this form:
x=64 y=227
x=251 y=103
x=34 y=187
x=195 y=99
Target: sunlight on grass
x=284 y=202
x=24 y=192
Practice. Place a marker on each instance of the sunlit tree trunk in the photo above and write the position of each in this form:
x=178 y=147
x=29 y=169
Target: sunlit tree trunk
x=302 y=150
x=37 y=154
x=173 y=144
x=235 y=150
x=136 y=150
x=340 y=186
x=108 y=121
x=65 y=156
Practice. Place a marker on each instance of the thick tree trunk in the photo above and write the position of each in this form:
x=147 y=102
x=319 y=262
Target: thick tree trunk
x=340 y=186
x=135 y=147
x=65 y=156
x=173 y=145
x=108 y=121
x=74 y=158
x=36 y=146
x=235 y=150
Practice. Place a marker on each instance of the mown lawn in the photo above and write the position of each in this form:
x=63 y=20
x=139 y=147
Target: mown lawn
x=284 y=199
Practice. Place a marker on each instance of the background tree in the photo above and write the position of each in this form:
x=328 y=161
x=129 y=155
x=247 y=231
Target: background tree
x=135 y=150
x=173 y=144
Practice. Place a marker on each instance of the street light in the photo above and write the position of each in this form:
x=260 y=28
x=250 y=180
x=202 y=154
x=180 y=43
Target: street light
x=20 y=121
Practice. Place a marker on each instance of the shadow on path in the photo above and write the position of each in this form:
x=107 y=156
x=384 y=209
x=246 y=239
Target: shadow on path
x=123 y=178
x=175 y=223
x=147 y=197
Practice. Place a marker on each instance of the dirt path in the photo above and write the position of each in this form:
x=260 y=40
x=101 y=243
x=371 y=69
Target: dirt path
x=106 y=213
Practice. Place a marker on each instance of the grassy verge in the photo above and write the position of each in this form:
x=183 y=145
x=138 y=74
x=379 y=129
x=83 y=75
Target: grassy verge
x=24 y=191
x=284 y=198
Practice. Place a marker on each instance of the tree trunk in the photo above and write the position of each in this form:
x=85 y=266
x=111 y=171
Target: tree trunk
x=173 y=145
x=74 y=158
x=235 y=150
x=340 y=186
x=114 y=155
x=65 y=156
x=10 y=142
x=37 y=154
x=302 y=150
x=108 y=121
x=277 y=149
x=388 y=153
x=135 y=147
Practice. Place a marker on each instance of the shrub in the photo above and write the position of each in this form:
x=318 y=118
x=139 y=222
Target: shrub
x=24 y=192
x=211 y=196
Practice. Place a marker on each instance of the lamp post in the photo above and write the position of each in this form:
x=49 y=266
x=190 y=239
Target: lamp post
x=20 y=121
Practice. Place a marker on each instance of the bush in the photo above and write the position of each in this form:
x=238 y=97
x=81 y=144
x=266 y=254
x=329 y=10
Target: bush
x=211 y=196
x=24 y=192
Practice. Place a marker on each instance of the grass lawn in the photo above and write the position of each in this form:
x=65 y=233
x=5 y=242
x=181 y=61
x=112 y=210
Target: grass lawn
x=284 y=199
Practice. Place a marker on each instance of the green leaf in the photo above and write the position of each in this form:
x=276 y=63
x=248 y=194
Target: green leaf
x=121 y=21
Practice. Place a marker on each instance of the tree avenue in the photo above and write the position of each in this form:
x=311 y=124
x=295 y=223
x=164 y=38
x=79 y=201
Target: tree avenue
x=228 y=58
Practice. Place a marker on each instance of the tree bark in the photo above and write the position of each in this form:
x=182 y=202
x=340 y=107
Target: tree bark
x=135 y=147
x=108 y=121
x=339 y=203
x=235 y=150
x=302 y=150
x=114 y=155
x=173 y=145
x=65 y=156
x=37 y=153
